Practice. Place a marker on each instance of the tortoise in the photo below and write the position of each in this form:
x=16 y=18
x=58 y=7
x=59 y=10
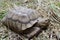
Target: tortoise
x=21 y=18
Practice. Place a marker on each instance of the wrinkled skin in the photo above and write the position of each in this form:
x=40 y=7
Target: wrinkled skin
x=44 y=23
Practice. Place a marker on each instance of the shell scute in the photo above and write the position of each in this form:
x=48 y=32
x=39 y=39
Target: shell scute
x=21 y=18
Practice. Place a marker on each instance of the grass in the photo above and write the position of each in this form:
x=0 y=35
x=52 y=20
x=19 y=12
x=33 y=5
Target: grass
x=3 y=10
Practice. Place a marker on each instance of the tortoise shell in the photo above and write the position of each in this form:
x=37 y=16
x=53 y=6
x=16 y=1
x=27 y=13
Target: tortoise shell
x=20 y=18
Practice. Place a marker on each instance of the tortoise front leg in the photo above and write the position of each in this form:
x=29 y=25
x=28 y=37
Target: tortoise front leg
x=31 y=32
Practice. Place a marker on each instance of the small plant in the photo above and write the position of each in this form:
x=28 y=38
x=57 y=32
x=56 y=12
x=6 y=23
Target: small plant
x=2 y=13
x=57 y=4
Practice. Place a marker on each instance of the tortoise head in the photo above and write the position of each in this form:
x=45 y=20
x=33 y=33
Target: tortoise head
x=43 y=22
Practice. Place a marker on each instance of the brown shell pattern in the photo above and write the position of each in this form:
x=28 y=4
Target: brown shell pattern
x=21 y=18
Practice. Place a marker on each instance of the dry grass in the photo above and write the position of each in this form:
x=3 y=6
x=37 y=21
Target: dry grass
x=42 y=6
